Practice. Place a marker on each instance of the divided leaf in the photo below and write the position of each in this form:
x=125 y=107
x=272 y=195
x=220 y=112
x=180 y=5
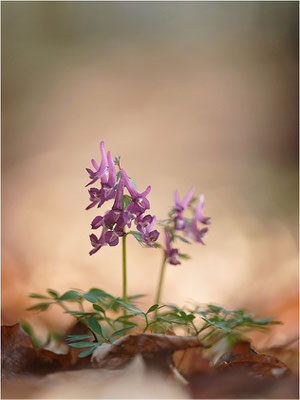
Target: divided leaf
x=70 y=295
x=121 y=331
x=94 y=325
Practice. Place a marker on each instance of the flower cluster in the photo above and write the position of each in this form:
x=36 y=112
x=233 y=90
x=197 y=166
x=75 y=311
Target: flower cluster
x=125 y=209
x=190 y=227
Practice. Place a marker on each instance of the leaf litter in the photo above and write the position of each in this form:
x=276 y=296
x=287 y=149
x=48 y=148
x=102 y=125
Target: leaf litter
x=141 y=366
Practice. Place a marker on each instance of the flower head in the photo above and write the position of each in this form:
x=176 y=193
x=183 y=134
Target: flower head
x=97 y=243
x=194 y=233
x=100 y=171
x=180 y=206
x=139 y=203
x=125 y=209
x=199 y=211
x=145 y=227
x=172 y=254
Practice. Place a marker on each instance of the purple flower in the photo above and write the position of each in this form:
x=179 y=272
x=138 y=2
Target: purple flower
x=192 y=230
x=95 y=197
x=172 y=254
x=112 y=216
x=111 y=238
x=97 y=222
x=115 y=220
x=121 y=223
x=180 y=206
x=97 y=243
x=107 y=189
x=139 y=202
x=144 y=226
x=101 y=172
x=194 y=233
x=199 y=211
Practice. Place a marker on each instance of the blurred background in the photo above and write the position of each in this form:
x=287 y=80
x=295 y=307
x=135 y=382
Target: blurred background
x=189 y=94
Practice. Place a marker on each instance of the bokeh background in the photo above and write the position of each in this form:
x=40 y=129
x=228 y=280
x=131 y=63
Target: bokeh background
x=201 y=94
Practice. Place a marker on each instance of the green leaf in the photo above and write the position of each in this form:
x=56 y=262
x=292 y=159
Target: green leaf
x=37 y=296
x=28 y=329
x=135 y=296
x=95 y=326
x=113 y=305
x=121 y=331
x=190 y=317
x=134 y=313
x=126 y=200
x=98 y=308
x=157 y=245
x=40 y=307
x=119 y=174
x=99 y=293
x=184 y=240
x=87 y=352
x=53 y=293
x=80 y=312
x=218 y=325
x=164 y=319
x=130 y=306
x=90 y=297
x=137 y=235
x=124 y=319
x=213 y=308
x=70 y=295
x=133 y=183
x=82 y=344
x=184 y=256
x=152 y=308
x=265 y=321
x=74 y=338
x=117 y=160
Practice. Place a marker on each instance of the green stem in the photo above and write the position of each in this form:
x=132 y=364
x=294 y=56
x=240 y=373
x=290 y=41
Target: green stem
x=196 y=330
x=108 y=322
x=62 y=306
x=124 y=268
x=161 y=279
x=124 y=262
x=147 y=324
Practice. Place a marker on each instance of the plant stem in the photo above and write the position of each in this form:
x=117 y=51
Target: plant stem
x=62 y=306
x=124 y=262
x=161 y=279
x=147 y=323
x=95 y=337
x=108 y=322
x=124 y=268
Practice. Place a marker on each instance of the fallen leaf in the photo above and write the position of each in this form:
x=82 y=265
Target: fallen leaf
x=239 y=349
x=236 y=383
x=156 y=350
x=20 y=356
x=261 y=365
x=243 y=373
x=288 y=353
x=191 y=362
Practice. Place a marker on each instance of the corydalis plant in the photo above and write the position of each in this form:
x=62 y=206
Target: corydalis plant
x=127 y=209
x=178 y=226
x=100 y=311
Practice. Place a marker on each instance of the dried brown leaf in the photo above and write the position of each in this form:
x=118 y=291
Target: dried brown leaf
x=155 y=349
x=262 y=365
x=191 y=362
x=20 y=356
